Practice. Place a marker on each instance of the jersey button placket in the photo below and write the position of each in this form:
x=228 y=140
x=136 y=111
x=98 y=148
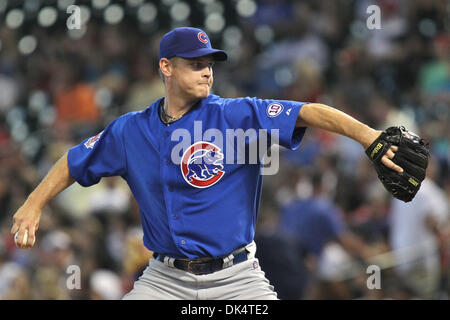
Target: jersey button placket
x=165 y=153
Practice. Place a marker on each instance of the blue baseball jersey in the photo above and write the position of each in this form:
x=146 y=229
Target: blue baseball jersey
x=196 y=198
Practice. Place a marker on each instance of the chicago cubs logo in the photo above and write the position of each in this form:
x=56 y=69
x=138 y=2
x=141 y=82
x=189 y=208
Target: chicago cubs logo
x=91 y=142
x=202 y=37
x=201 y=164
x=274 y=109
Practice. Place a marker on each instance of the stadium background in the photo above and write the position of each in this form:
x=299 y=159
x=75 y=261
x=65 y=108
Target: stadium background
x=60 y=86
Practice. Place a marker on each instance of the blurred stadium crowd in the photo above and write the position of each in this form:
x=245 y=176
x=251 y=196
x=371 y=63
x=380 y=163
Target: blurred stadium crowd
x=324 y=218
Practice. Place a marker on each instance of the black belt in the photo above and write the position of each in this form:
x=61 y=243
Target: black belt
x=203 y=266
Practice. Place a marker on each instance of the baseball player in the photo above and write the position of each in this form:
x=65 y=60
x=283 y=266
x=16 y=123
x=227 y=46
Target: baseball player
x=198 y=209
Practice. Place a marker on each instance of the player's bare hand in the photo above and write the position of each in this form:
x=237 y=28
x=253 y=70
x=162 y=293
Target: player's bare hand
x=387 y=159
x=25 y=224
x=370 y=137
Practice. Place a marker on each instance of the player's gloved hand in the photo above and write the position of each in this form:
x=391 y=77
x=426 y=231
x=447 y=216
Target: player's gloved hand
x=411 y=154
x=26 y=223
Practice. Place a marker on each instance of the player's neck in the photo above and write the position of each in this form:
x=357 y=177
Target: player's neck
x=176 y=106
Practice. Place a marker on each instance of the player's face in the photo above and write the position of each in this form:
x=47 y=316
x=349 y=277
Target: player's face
x=194 y=77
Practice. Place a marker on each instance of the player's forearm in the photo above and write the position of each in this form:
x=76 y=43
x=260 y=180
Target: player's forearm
x=330 y=119
x=58 y=179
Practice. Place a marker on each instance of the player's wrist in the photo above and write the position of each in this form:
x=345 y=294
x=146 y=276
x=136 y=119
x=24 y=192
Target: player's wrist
x=35 y=201
x=368 y=136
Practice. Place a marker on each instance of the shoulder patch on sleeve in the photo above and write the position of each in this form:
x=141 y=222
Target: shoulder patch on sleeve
x=274 y=109
x=91 y=141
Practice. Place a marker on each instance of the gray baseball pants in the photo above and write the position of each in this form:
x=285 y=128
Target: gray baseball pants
x=243 y=281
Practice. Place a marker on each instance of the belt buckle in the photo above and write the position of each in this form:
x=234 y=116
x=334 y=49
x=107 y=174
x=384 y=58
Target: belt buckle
x=193 y=267
x=197 y=267
x=189 y=267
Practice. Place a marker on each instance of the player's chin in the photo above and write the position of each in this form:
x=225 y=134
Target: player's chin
x=203 y=92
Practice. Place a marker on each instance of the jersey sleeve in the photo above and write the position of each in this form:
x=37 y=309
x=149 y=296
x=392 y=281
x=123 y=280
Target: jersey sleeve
x=102 y=155
x=267 y=114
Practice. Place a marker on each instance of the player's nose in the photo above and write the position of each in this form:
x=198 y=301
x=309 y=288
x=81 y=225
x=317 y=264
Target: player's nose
x=207 y=72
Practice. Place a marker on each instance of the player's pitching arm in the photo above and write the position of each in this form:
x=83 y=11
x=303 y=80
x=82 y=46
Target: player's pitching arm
x=26 y=219
x=327 y=118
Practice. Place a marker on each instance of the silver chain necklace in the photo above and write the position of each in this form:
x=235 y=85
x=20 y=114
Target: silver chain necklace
x=168 y=118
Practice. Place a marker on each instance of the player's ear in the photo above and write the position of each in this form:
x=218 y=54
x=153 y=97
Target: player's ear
x=165 y=66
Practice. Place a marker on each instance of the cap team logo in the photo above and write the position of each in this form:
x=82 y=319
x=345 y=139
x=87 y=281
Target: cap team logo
x=202 y=164
x=202 y=37
x=91 y=142
x=274 y=109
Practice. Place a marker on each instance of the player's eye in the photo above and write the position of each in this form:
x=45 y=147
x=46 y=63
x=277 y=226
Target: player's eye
x=198 y=65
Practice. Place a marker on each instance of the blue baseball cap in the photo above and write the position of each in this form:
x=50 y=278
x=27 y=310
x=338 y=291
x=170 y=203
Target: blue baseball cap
x=187 y=42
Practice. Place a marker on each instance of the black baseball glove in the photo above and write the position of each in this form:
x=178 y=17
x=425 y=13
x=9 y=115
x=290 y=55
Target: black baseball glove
x=412 y=156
